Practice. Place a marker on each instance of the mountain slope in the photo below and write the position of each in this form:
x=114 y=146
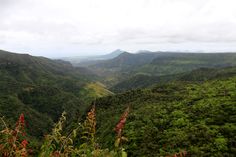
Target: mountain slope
x=42 y=89
x=173 y=63
x=198 y=75
x=90 y=60
x=153 y=64
x=198 y=118
x=117 y=69
x=126 y=60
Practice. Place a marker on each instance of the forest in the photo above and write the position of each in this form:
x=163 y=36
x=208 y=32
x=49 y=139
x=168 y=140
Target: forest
x=184 y=105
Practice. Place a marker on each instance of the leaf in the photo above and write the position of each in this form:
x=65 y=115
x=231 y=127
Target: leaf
x=123 y=153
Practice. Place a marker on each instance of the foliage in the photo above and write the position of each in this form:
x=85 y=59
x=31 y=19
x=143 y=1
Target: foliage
x=13 y=141
x=187 y=112
x=195 y=76
x=42 y=89
x=128 y=66
x=174 y=117
x=99 y=90
x=57 y=144
x=80 y=141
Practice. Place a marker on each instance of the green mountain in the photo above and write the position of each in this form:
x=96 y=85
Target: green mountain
x=197 y=75
x=133 y=68
x=173 y=63
x=114 y=70
x=123 y=63
x=199 y=118
x=126 y=60
x=42 y=89
x=184 y=102
x=90 y=60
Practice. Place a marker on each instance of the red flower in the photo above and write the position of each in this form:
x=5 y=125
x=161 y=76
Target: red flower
x=122 y=121
x=22 y=119
x=24 y=143
x=56 y=154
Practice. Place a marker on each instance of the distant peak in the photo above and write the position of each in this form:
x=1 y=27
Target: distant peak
x=117 y=51
x=124 y=53
x=144 y=51
x=114 y=54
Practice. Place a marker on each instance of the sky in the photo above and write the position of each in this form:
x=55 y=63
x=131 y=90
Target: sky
x=61 y=28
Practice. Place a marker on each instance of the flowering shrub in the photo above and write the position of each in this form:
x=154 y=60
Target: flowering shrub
x=80 y=141
x=118 y=129
x=13 y=141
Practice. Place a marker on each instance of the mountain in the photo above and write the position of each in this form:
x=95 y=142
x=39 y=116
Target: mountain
x=112 y=54
x=128 y=66
x=197 y=75
x=89 y=60
x=184 y=102
x=42 y=89
x=172 y=63
x=198 y=118
x=141 y=81
x=126 y=60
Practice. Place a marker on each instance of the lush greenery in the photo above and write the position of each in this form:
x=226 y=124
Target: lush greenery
x=197 y=76
x=80 y=141
x=184 y=103
x=198 y=118
x=42 y=89
x=129 y=67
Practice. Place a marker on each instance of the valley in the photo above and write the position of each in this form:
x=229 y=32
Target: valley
x=177 y=101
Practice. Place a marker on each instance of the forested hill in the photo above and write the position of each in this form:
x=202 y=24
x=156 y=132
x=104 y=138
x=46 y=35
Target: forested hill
x=127 y=60
x=128 y=66
x=27 y=63
x=173 y=63
x=197 y=75
x=199 y=118
x=42 y=89
x=191 y=107
x=166 y=62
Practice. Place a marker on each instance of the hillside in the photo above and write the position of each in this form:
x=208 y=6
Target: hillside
x=117 y=69
x=173 y=63
x=188 y=105
x=127 y=60
x=42 y=89
x=197 y=75
x=124 y=63
x=128 y=66
x=90 y=60
x=198 y=118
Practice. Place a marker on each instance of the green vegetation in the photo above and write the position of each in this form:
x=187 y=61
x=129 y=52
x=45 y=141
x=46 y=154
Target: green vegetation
x=198 y=118
x=80 y=141
x=42 y=89
x=174 y=63
x=184 y=103
x=99 y=90
x=196 y=76
x=128 y=67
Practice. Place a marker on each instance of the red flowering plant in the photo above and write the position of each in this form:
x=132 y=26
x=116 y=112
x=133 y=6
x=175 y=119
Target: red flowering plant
x=58 y=145
x=180 y=154
x=118 y=129
x=12 y=141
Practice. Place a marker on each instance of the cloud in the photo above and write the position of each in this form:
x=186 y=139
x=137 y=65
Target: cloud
x=73 y=27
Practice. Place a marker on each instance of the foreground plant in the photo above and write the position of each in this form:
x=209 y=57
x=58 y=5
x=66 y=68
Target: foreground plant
x=118 y=129
x=13 y=141
x=81 y=141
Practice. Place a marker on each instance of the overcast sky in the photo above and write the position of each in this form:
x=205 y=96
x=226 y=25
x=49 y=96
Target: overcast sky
x=56 y=28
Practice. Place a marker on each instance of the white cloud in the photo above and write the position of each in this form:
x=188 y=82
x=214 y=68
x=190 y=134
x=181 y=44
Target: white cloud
x=75 y=27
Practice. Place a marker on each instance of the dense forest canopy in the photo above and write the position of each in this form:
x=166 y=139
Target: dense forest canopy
x=178 y=103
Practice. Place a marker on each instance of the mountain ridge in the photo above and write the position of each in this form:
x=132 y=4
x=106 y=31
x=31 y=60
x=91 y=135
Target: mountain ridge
x=43 y=88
